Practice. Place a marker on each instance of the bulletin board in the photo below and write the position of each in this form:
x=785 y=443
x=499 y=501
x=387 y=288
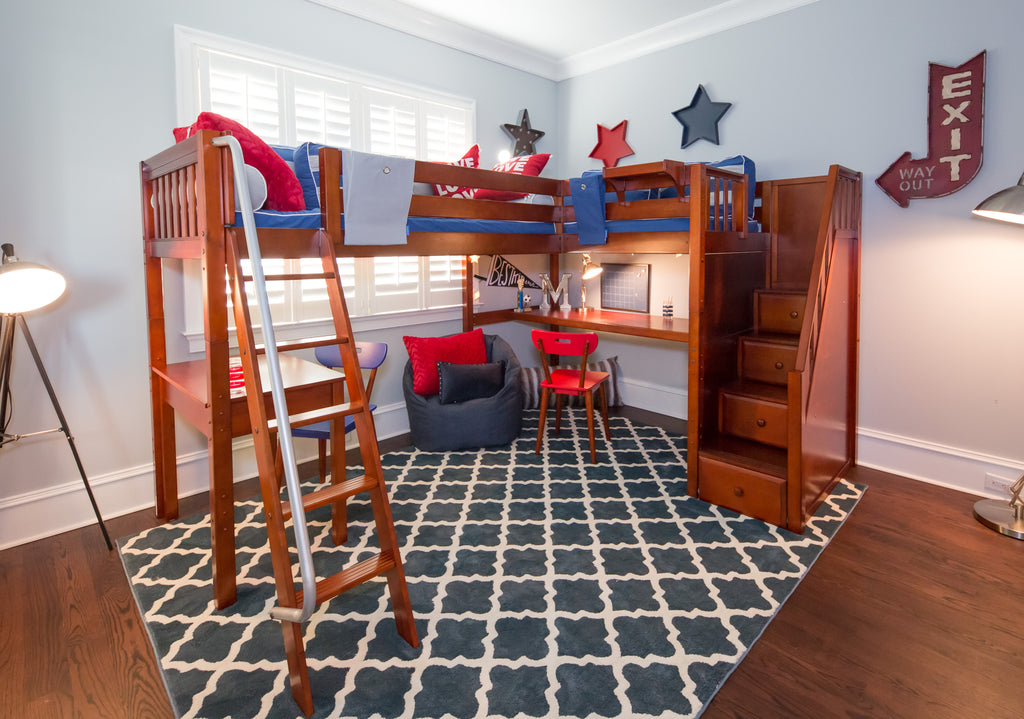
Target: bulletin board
x=626 y=287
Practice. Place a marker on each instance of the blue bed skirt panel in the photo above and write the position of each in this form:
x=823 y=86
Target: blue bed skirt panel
x=310 y=219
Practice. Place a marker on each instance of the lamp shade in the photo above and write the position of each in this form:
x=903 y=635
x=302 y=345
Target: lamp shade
x=26 y=286
x=1006 y=205
x=590 y=270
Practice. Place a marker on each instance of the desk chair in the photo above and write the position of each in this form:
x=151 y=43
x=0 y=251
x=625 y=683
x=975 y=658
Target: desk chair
x=371 y=356
x=572 y=382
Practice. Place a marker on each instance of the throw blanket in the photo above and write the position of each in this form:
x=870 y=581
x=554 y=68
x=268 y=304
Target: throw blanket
x=378 y=189
x=588 y=199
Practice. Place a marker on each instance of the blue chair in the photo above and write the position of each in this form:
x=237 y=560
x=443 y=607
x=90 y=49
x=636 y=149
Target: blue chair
x=371 y=356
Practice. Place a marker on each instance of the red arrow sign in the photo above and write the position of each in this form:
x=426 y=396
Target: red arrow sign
x=956 y=114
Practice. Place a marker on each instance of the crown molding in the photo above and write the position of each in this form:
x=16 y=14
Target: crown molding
x=413 y=21
x=416 y=22
x=716 y=19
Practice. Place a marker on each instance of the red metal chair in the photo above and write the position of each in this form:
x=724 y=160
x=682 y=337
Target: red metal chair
x=571 y=382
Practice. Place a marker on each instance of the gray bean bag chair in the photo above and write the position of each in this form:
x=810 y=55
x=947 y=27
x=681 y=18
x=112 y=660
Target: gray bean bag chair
x=469 y=423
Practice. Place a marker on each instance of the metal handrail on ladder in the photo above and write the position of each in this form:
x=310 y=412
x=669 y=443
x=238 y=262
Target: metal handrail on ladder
x=284 y=429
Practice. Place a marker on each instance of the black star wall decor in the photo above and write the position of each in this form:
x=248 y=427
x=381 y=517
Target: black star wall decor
x=700 y=118
x=524 y=135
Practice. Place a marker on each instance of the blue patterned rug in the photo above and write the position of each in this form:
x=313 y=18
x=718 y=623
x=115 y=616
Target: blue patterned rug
x=543 y=586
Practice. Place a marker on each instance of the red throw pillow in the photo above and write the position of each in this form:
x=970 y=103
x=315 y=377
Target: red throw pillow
x=522 y=165
x=470 y=159
x=283 y=189
x=426 y=352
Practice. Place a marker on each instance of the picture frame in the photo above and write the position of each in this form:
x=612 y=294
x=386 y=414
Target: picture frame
x=626 y=287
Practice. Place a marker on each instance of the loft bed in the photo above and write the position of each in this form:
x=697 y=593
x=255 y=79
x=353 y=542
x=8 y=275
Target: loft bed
x=802 y=244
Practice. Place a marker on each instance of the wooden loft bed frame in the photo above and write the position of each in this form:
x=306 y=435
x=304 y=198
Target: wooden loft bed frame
x=808 y=243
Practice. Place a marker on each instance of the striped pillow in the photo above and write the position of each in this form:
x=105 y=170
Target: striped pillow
x=307 y=169
x=533 y=376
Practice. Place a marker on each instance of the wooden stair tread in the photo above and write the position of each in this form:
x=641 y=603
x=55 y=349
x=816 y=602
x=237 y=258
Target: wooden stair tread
x=336 y=411
x=326 y=495
x=304 y=344
x=772 y=338
x=757 y=390
x=781 y=292
x=330 y=587
x=745 y=453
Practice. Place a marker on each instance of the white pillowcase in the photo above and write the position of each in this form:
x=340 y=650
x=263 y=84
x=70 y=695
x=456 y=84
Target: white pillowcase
x=257 y=188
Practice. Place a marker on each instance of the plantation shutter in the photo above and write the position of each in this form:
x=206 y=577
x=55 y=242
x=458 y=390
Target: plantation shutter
x=323 y=110
x=244 y=90
x=446 y=131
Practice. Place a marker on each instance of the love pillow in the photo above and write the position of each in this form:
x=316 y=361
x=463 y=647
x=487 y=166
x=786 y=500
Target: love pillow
x=283 y=190
x=470 y=159
x=531 y=165
x=426 y=352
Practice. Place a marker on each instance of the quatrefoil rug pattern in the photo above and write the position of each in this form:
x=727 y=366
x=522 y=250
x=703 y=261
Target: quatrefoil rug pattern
x=543 y=586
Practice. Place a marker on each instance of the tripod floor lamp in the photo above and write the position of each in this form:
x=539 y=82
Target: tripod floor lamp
x=25 y=286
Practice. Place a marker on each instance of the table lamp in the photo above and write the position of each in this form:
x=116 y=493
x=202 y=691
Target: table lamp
x=26 y=286
x=590 y=271
x=999 y=515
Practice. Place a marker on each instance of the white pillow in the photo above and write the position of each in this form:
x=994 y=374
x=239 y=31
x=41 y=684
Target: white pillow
x=257 y=188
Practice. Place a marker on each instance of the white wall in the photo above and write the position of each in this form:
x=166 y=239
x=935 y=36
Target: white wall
x=93 y=95
x=844 y=81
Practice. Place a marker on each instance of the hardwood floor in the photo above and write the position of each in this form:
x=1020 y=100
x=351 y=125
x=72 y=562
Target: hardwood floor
x=914 y=610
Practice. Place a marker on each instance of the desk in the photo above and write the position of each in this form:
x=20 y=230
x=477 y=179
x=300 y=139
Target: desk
x=183 y=387
x=673 y=329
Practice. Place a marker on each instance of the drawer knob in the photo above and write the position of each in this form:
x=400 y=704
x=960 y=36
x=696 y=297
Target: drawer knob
x=738 y=491
x=794 y=314
x=778 y=365
x=761 y=423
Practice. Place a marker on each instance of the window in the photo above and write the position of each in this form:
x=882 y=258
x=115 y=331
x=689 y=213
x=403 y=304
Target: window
x=288 y=100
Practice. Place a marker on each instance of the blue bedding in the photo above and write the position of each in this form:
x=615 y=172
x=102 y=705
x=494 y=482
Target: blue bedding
x=304 y=161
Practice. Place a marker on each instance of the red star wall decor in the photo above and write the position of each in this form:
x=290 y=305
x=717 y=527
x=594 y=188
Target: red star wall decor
x=611 y=144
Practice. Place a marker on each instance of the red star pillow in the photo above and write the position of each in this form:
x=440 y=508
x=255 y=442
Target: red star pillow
x=426 y=352
x=522 y=165
x=470 y=159
x=283 y=190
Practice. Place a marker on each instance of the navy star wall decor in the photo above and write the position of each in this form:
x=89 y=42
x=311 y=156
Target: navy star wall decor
x=524 y=135
x=700 y=118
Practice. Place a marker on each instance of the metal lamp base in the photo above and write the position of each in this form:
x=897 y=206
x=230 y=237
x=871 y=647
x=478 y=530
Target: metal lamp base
x=999 y=516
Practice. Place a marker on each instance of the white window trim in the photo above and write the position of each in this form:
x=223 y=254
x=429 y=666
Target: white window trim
x=187 y=42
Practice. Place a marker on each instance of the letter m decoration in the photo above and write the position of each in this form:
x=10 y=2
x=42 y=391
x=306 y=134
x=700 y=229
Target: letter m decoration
x=956 y=120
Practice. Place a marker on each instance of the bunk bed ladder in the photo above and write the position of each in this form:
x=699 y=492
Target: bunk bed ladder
x=272 y=439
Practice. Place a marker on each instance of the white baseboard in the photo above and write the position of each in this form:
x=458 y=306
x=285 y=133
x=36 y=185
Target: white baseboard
x=931 y=462
x=44 y=513
x=670 y=401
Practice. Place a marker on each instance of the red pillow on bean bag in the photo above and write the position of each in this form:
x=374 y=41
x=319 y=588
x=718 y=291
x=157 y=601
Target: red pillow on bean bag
x=426 y=352
x=283 y=189
x=522 y=165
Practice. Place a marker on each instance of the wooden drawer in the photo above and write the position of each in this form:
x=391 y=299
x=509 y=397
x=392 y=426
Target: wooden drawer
x=743 y=490
x=766 y=361
x=752 y=418
x=780 y=312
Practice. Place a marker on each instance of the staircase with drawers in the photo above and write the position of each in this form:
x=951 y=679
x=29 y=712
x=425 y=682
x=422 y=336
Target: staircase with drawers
x=774 y=357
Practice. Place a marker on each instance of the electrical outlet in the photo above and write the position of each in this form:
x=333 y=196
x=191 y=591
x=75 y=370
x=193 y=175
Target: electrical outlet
x=998 y=485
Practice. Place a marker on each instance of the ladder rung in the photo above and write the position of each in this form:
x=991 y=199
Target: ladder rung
x=330 y=587
x=322 y=497
x=336 y=411
x=291 y=276
x=303 y=344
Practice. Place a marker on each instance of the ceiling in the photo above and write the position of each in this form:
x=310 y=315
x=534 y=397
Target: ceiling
x=558 y=39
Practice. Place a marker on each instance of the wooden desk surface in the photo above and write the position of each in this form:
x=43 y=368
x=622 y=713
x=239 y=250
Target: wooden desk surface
x=304 y=381
x=673 y=329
